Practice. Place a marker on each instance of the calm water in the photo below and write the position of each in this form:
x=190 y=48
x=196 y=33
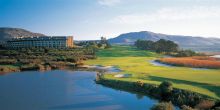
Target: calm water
x=64 y=90
x=155 y=63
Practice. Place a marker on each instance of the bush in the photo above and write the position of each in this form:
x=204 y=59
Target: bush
x=6 y=69
x=166 y=87
x=72 y=59
x=185 y=53
x=205 y=104
x=163 y=106
x=185 y=107
x=29 y=67
x=7 y=61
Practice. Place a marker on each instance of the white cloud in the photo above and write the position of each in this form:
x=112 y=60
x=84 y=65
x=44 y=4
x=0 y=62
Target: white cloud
x=169 y=14
x=195 y=21
x=108 y=2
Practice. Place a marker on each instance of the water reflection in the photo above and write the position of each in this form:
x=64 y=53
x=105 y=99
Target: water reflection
x=61 y=89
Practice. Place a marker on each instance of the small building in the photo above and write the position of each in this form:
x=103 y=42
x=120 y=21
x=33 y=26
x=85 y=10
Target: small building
x=40 y=42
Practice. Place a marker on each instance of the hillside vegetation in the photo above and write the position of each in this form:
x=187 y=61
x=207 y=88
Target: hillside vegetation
x=138 y=63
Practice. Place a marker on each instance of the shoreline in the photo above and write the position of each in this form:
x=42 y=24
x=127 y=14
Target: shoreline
x=179 y=97
x=34 y=68
x=97 y=68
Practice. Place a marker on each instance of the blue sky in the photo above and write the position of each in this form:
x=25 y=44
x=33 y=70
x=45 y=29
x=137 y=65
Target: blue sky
x=90 y=19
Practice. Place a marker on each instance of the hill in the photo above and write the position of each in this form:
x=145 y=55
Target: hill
x=186 y=42
x=8 y=33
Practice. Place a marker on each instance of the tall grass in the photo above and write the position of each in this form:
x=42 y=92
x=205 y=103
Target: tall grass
x=198 y=62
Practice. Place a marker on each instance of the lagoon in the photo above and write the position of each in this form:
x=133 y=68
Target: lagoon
x=65 y=90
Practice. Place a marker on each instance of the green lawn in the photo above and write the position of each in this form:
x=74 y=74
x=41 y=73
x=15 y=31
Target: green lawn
x=136 y=62
x=124 y=51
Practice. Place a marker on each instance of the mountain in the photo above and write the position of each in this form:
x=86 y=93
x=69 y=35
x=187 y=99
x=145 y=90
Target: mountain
x=186 y=42
x=9 y=33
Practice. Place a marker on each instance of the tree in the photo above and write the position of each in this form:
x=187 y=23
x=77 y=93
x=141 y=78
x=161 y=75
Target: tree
x=166 y=89
x=161 y=46
x=145 y=44
x=166 y=46
x=108 y=45
x=186 y=53
x=104 y=43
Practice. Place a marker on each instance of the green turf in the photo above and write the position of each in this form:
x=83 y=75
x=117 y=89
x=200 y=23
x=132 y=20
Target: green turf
x=137 y=63
x=124 y=51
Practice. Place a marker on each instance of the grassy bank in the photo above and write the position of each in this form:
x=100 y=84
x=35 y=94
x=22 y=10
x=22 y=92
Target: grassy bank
x=163 y=92
x=137 y=62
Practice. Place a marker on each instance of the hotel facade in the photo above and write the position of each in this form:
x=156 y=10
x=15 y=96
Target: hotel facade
x=40 y=42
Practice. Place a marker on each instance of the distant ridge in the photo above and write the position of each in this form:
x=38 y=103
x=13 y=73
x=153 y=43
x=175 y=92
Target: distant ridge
x=186 y=42
x=9 y=33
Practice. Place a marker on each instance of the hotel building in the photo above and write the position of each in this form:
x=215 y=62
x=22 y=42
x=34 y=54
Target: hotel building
x=44 y=41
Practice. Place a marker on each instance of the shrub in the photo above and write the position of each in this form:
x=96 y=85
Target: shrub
x=72 y=59
x=163 y=106
x=216 y=106
x=29 y=67
x=7 y=61
x=205 y=104
x=99 y=77
x=184 y=97
x=166 y=87
x=40 y=67
x=47 y=67
x=185 y=107
x=185 y=53
x=6 y=69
